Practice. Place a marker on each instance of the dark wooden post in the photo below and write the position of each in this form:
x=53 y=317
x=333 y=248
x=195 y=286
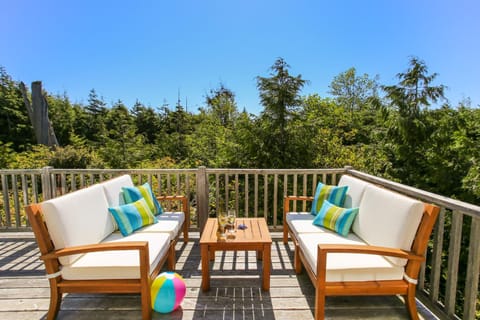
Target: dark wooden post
x=38 y=113
x=202 y=197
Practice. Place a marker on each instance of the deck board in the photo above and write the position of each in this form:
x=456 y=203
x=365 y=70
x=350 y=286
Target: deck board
x=235 y=289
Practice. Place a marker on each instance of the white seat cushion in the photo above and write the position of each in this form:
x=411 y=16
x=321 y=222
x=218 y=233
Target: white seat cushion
x=388 y=219
x=302 y=222
x=78 y=218
x=347 y=266
x=117 y=264
x=168 y=222
x=356 y=187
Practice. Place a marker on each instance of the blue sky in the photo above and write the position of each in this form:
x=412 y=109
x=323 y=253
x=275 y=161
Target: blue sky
x=151 y=50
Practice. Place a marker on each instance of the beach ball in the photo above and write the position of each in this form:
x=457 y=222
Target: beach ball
x=167 y=291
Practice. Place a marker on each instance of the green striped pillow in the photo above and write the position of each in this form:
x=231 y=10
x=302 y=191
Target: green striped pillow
x=133 y=216
x=334 y=194
x=335 y=218
x=132 y=194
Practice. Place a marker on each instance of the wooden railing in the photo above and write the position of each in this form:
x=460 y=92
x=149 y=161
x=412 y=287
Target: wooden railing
x=449 y=285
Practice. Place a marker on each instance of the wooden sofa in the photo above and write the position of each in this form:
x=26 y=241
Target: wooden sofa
x=382 y=254
x=84 y=252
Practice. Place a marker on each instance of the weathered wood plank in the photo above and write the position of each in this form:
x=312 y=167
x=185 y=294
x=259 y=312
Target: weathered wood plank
x=235 y=290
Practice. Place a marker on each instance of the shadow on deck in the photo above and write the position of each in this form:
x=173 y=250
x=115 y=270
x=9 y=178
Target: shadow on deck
x=235 y=289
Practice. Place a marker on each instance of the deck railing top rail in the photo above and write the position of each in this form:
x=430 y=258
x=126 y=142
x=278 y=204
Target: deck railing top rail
x=445 y=202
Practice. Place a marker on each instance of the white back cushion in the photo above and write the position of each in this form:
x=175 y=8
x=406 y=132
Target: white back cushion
x=78 y=218
x=113 y=189
x=356 y=187
x=388 y=219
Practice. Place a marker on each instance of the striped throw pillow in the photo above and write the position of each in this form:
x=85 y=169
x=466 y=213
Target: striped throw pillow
x=334 y=194
x=335 y=218
x=133 y=216
x=132 y=194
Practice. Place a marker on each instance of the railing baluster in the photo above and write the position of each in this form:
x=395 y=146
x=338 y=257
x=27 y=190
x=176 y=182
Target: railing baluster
x=24 y=189
x=236 y=193
x=227 y=198
x=246 y=195
x=295 y=192
x=275 y=199
x=255 y=205
x=6 y=200
x=16 y=203
x=265 y=196
x=437 y=256
x=453 y=258
x=304 y=205
x=34 y=188
x=63 y=183
x=473 y=271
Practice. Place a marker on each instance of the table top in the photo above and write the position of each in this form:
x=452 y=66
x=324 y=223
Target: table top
x=256 y=232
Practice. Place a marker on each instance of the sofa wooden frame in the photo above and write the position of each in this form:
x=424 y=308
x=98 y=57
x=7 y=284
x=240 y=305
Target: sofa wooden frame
x=59 y=286
x=405 y=287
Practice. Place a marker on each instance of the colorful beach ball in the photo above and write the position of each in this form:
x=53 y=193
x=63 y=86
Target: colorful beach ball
x=168 y=291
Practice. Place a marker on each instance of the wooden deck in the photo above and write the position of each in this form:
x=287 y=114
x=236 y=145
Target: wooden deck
x=235 y=289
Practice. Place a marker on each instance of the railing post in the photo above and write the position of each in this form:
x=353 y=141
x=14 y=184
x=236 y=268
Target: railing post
x=46 y=183
x=202 y=197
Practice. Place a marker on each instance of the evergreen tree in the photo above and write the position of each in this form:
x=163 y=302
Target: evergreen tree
x=409 y=99
x=96 y=111
x=15 y=126
x=279 y=95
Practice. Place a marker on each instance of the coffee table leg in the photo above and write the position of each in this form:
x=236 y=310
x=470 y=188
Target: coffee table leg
x=266 y=267
x=205 y=267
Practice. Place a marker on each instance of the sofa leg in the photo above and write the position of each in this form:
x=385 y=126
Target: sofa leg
x=319 y=303
x=171 y=257
x=146 y=304
x=411 y=303
x=297 y=263
x=55 y=301
x=285 y=235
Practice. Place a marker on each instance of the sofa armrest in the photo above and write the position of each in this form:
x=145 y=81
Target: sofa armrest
x=182 y=199
x=324 y=249
x=141 y=246
x=287 y=199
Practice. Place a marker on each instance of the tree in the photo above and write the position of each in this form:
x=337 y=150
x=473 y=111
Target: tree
x=147 y=122
x=95 y=121
x=221 y=103
x=15 y=126
x=408 y=129
x=353 y=92
x=62 y=116
x=279 y=94
x=124 y=148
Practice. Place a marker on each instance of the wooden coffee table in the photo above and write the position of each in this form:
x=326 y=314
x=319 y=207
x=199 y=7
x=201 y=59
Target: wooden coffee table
x=255 y=237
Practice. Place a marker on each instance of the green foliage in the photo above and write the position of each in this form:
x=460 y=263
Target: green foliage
x=37 y=156
x=280 y=96
x=15 y=126
x=397 y=137
x=7 y=154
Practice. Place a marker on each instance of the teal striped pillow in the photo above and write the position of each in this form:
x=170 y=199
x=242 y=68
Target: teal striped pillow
x=132 y=194
x=335 y=218
x=334 y=194
x=132 y=216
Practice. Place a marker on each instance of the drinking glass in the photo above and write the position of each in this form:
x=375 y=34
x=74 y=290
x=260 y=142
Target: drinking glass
x=231 y=224
x=222 y=223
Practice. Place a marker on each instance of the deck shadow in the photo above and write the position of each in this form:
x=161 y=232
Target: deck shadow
x=20 y=257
